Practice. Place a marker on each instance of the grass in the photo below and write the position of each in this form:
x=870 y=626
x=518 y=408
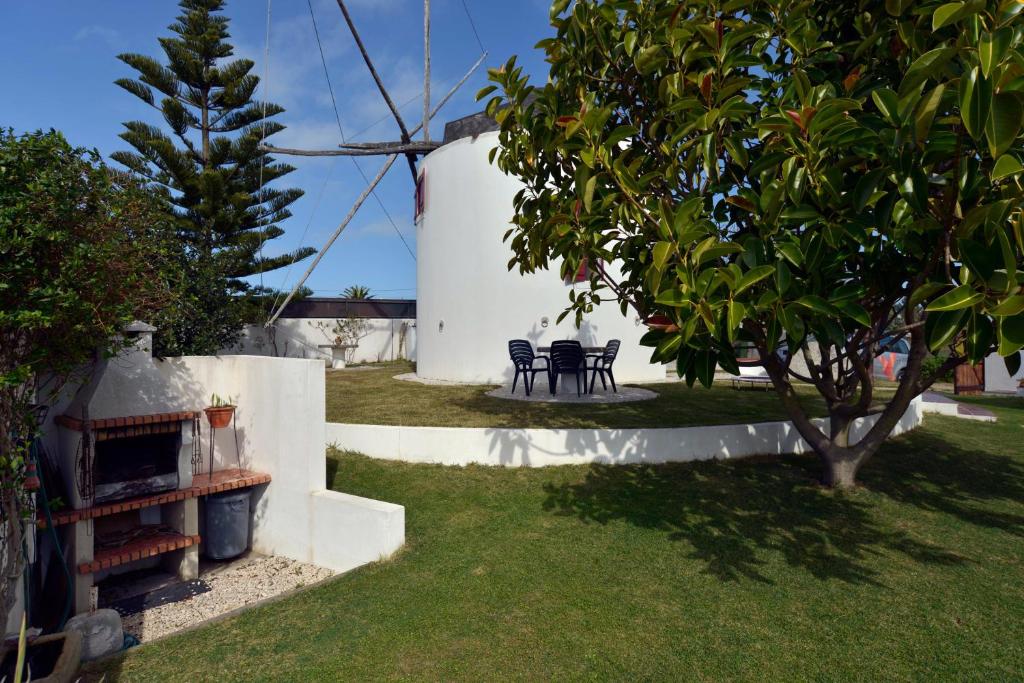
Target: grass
x=373 y=396
x=741 y=570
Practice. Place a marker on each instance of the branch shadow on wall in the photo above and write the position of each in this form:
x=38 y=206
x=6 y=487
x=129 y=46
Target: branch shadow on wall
x=736 y=517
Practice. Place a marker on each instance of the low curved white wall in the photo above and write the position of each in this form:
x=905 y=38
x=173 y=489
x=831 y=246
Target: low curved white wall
x=463 y=280
x=545 y=447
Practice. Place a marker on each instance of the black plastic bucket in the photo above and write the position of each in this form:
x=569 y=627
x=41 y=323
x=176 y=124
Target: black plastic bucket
x=227 y=524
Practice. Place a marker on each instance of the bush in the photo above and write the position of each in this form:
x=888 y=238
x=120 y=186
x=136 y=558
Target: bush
x=84 y=252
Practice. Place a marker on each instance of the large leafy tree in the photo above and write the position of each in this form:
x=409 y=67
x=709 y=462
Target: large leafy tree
x=83 y=251
x=805 y=177
x=210 y=170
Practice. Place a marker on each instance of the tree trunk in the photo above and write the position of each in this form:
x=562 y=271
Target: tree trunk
x=840 y=468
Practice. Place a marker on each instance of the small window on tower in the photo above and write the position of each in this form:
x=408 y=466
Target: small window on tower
x=420 y=195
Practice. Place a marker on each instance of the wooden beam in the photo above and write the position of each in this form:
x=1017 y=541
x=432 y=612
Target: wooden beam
x=383 y=147
x=359 y=150
x=344 y=224
x=426 y=70
x=411 y=158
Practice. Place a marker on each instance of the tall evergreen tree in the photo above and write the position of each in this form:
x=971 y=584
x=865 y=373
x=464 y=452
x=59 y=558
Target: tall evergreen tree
x=210 y=171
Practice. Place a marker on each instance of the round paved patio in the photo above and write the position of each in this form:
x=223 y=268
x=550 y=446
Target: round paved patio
x=567 y=394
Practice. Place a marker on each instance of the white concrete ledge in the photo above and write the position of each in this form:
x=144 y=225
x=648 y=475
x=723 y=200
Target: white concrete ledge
x=544 y=447
x=349 y=531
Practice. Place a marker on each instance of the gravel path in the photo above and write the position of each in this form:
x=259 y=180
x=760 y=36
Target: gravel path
x=230 y=588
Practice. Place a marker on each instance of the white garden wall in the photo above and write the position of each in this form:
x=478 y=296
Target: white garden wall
x=385 y=339
x=544 y=447
x=469 y=304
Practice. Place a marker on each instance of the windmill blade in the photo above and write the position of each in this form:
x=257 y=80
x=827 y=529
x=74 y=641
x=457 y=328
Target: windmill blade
x=411 y=158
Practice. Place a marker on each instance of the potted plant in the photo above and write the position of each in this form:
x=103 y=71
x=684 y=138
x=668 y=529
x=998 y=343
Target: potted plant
x=220 y=411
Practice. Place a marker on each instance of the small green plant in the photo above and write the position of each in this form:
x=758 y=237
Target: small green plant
x=217 y=402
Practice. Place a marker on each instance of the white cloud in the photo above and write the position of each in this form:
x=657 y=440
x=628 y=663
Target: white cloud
x=94 y=32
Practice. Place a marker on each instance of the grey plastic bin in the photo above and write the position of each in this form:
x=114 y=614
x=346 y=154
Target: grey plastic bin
x=227 y=524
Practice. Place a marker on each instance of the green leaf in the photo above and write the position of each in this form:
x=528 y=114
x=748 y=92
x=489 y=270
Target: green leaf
x=981 y=259
x=1012 y=362
x=818 y=305
x=783 y=277
x=941 y=326
x=1006 y=165
x=888 y=104
x=800 y=214
x=660 y=254
x=737 y=313
x=752 y=277
x=926 y=66
x=1011 y=306
x=1011 y=334
x=672 y=297
x=925 y=112
x=792 y=323
x=855 y=312
x=975 y=101
x=705 y=362
x=957 y=298
x=944 y=14
x=588 y=193
x=1004 y=121
x=953 y=12
x=866 y=187
x=925 y=291
x=992 y=48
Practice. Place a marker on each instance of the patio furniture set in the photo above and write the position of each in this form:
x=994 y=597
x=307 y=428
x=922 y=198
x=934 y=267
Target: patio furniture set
x=563 y=357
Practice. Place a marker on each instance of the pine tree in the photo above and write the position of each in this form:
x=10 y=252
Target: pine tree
x=210 y=171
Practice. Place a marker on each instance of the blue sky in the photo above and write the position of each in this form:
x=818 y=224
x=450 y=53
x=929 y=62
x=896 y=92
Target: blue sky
x=59 y=67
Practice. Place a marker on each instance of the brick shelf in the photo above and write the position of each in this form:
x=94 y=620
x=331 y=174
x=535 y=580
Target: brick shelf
x=142 y=548
x=202 y=485
x=130 y=421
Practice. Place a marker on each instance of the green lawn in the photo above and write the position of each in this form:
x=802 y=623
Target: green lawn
x=716 y=571
x=372 y=396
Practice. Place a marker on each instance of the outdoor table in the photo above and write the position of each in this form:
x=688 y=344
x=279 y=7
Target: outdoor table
x=586 y=349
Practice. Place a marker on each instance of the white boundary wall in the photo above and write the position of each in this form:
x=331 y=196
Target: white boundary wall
x=281 y=418
x=545 y=447
x=386 y=339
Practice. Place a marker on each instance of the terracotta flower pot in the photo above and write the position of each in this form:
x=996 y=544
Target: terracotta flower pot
x=219 y=417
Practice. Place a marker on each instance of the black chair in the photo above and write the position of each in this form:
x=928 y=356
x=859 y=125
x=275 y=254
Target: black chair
x=523 y=358
x=567 y=359
x=602 y=364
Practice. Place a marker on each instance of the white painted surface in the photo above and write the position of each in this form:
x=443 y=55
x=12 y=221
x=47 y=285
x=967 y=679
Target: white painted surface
x=545 y=447
x=349 y=531
x=280 y=417
x=385 y=339
x=463 y=280
x=997 y=379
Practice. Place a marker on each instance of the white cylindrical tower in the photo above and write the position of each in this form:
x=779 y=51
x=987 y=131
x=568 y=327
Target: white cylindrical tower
x=469 y=305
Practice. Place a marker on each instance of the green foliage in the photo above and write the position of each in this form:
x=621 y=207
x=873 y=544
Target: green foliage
x=357 y=292
x=211 y=173
x=770 y=172
x=84 y=252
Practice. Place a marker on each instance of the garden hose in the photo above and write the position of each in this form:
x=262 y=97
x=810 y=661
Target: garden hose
x=45 y=503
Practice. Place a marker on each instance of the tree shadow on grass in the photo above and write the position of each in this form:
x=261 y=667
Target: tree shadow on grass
x=925 y=470
x=736 y=515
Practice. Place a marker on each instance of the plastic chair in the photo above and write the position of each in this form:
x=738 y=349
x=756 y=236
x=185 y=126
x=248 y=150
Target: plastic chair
x=523 y=358
x=567 y=358
x=602 y=364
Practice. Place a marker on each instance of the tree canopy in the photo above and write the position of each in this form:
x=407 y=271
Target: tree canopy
x=210 y=170
x=803 y=177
